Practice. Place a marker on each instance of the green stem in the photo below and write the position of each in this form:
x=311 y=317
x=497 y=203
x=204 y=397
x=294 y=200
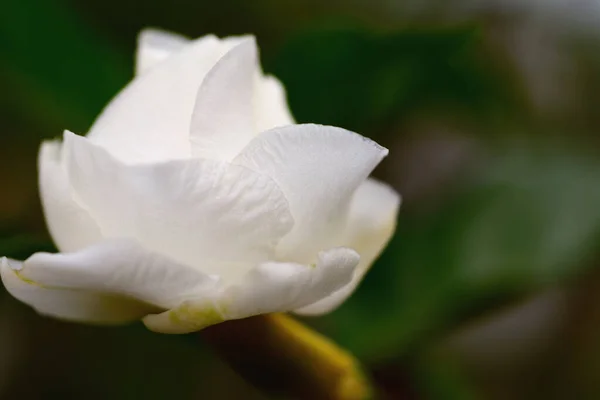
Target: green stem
x=284 y=357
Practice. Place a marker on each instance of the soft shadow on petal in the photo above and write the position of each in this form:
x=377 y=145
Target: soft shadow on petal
x=271 y=106
x=223 y=120
x=114 y=281
x=149 y=120
x=318 y=168
x=71 y=226
x=371 y=224
x=156 y=45
x=220 y=217
x=270 y=287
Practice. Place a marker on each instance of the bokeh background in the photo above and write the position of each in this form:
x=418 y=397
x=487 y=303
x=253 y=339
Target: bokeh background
x=491 y=287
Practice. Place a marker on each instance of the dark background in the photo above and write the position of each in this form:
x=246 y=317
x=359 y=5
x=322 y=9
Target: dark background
x=491 y=287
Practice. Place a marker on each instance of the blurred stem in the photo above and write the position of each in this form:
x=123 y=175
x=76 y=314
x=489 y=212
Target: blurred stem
x=281 y=356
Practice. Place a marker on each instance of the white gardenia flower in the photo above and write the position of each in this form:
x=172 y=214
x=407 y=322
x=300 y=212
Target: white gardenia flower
x=195 y=198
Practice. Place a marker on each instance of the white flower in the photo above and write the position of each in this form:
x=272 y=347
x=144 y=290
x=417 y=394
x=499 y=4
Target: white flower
x=195 y=199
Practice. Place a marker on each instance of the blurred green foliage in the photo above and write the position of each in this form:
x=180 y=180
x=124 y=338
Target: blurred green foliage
x=351 y=77
x=520 y=215
x=61 y=71
x=507 y=230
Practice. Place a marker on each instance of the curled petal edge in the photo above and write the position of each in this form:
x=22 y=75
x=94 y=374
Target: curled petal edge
x=268 y=288
x=118 y=281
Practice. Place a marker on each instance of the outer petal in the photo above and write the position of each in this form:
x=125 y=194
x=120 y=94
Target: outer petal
x=71 y=225
x=318 y=168
x=372 y=222
x=270 y=101
x=114 y=281
x=149 y=120
x=156 y=45
x=270 y=287
x=222 y=123
x=216 y=216
x=271 y=107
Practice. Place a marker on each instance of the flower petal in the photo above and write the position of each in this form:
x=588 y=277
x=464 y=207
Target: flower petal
x=212 y=215
x=270 y=287
x=318 y=168
x=149 y=120
x=154 y=46
x=271 y=109
x=71 y=226
x=114 y=281
x=222 y=123
x=372 y=222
